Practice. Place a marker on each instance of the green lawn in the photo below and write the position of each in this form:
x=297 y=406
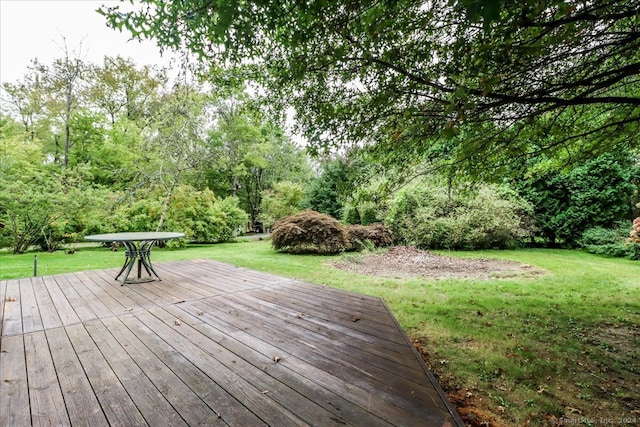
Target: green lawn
x=562 y=344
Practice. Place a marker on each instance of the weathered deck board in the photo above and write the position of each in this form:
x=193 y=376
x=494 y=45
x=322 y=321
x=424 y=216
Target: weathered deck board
x=14 y=391
x=47 y=403
x=209 y=344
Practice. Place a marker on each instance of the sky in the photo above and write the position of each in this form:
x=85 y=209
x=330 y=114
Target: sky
x=36 y=28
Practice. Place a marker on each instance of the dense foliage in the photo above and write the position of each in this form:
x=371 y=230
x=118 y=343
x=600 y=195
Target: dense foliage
x=595 y=194
x=198 y=214
x=614 y=242
x=129 y=150
x=282 y=200
x=484 y=82
x=433 y=216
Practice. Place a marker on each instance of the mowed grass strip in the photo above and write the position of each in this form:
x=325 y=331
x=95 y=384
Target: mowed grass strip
x=543 y=349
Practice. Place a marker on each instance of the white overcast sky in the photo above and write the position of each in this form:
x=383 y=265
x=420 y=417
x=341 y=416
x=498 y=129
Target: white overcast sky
x=35 y=29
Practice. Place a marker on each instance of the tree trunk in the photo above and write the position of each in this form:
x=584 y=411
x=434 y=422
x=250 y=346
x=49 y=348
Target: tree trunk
x=167 y=200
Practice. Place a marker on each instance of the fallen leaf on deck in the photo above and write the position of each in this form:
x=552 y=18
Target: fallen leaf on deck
x=355 y=318
x=200 y=313
x=178 y=322
x=276 y=359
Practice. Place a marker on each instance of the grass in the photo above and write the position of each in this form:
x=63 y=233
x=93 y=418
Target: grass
x=559 y=347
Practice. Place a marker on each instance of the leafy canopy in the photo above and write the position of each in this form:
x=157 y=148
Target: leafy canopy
x=410 y=75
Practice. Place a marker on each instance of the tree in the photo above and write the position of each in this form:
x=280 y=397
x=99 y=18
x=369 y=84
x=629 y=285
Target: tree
x=326 y=193
x=409 y=75
x=249 y=154
x=596 y=194
x=281 y=200
x=64 y=81
x=120 y=89
x=177 y=142
x=39 y=204
x=26 y=99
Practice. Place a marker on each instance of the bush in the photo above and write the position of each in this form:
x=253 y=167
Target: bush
x=436 y=217
x=309 y=232
x=613 y=242
x=598 y=236
x=376 y=235
x=198 y=214
x=369 y=216
x=280 y=201
x=596 y=193
x=352 y=215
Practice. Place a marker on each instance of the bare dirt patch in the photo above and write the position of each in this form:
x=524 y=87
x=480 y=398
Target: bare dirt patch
x=408 y=261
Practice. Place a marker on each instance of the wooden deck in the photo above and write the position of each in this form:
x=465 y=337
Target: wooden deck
x=211 y=344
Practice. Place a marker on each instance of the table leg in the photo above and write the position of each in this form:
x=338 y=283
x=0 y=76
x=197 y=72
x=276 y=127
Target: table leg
x=145 y=259
x=131 y=254
x=127 y=260
x=140 y=253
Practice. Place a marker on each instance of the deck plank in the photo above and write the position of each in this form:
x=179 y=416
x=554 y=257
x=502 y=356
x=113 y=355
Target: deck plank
x=209 y=344
x=12 y=315
x=75 y=300
x=101 y=299
x=31 y=320
x=48 y=313
x=225 y=406
x=82 y=404
x=45 y=395
x=291 y=371
x=151 y=403
x=14 y=392
x=114 y=399
x=323 y=355
x=374 y=350
x=64 y=309
x=289 y=398
x=206 y=359
x=186 y=402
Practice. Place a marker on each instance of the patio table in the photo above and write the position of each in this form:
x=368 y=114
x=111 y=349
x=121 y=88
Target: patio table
x=137 y=248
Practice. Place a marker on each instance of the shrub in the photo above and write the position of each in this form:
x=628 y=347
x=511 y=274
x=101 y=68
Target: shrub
x=596 y=193
x=614 y=242
x=375 y=234
x=369 y=216
x=198 y=214
x=435 y=217
x=598 y=236
x=309 y=232
x=352 y=215
x=281 y=200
